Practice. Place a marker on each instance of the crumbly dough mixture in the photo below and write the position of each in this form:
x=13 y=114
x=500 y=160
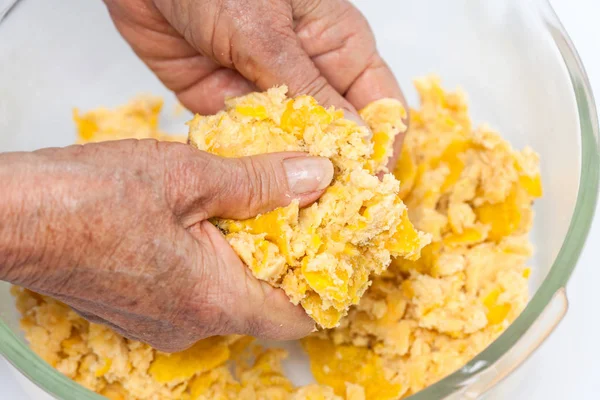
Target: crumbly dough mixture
x=138 y=119
x=322 y=256
x=421 y=318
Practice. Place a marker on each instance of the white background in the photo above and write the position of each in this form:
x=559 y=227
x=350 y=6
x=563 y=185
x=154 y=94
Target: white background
x=566 y=366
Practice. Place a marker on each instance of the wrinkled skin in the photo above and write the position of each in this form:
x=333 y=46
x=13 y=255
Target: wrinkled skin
x=119 y=231
x=206 y=50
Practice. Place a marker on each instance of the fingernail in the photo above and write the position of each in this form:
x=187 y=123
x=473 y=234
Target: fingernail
x=308 y=174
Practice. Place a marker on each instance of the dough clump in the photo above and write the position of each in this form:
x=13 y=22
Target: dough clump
x=323 y=256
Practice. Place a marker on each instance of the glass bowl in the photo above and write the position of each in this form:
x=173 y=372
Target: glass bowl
x=513 y=59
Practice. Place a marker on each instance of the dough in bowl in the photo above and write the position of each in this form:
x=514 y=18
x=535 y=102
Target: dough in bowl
x=419 y=319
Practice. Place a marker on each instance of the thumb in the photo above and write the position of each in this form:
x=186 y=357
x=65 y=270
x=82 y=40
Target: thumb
x=257 y=39
x=240 y=188
x=280 y=59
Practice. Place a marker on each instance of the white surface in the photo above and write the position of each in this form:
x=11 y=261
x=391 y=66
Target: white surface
x=565 y=366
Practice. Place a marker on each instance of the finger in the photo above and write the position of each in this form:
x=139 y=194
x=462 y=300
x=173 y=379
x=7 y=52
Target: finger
x=201 y=185
x=341 y=44
x=376 y=82
x=88 y=316
x=200 y=84
x=207 y=95
x=279 y=59
x=256 y=39
x=91 y=317
x=252 y=307
x=157 y=333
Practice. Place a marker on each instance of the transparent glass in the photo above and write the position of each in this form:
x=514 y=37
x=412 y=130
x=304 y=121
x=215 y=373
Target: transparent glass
x=512 y=57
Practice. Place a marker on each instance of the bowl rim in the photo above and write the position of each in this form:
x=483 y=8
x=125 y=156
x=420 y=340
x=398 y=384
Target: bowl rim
x=579 y=227
x=53 y=382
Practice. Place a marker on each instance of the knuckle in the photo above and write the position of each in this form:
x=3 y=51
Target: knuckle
x=318 y=87
x=187 y=182
x=254 y=182
x=348 y=13
x=374 y=61
x=258 y=185
x=314 y=85
x=305 y=7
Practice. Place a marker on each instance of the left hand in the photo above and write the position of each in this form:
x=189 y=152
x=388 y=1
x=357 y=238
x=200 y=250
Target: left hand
x=207 y=50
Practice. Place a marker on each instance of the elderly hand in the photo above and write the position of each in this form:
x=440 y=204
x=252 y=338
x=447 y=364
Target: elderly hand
x=119 y=231
x=206 y=50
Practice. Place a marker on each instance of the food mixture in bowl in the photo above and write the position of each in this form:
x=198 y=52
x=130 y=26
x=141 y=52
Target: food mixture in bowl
x=463 y=202
x=324 y=255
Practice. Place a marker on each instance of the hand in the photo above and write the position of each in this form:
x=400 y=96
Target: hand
x=119 y=231
x=206 y=50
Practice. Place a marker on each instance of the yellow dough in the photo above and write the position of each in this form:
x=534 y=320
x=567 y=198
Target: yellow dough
x=136 y=120
x=323 y=256
x=418 y=321
x=421 y=320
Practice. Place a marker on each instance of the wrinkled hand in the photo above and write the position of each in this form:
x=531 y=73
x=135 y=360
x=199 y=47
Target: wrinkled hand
x=119 y=231
x=206 y=50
